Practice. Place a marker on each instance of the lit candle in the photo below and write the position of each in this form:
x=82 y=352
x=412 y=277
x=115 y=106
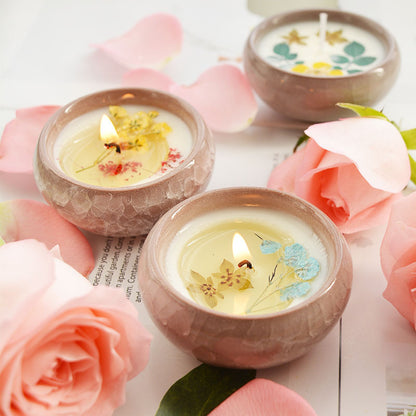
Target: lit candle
x=245 y=277
x=122 y=146
x=321 y=48
x=247 y=261
x=113 y=162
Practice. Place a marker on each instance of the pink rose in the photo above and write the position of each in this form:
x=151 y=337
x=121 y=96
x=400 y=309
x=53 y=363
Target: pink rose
x=398 y=257
x=66 y=347
x=352 y=169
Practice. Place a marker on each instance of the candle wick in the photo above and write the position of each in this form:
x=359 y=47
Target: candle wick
x=258 y=236
x=245 y=262
x=323 y=19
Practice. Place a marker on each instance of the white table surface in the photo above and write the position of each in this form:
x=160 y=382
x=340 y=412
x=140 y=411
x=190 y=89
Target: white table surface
x=46 y=58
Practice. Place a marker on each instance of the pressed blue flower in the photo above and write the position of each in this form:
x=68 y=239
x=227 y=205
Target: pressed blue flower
x=269 y=246
x=295 y=291
x=308 y=270
x=295 y=255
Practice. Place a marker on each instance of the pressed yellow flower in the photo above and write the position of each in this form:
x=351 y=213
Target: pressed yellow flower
x=335 y=37
x=294 y=37
x=205 y=288
x=232 y=278
x=318 y=68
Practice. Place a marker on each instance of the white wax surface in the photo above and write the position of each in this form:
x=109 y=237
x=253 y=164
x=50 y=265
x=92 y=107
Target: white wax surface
x=179 y=138
x=283 y=222
x=314 y=51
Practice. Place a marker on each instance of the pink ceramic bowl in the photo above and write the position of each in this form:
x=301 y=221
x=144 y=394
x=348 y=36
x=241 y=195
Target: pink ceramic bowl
x=129 y=210
x=249 y=341
x=313 y=98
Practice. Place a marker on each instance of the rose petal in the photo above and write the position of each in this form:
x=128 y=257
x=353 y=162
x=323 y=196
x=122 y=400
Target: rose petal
x=151 y=43
x=261 y=397
x=400 y=284
x=26 y=219
x=222 y=95
x=400 y=235
x=13 y=300
x=147 y=78
x=20 y=136
x=375 y=146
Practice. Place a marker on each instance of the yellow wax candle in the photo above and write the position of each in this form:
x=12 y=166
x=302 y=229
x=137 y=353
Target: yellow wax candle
x=122 y=146
x=247 y=261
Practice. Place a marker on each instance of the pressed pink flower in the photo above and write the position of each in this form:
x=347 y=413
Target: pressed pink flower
x=151 y=43
x=261 y=397
x=20 y=136
x=222 y=95
x=398 y=257
x=23 y=219
x=352 y=169
x=66 y=347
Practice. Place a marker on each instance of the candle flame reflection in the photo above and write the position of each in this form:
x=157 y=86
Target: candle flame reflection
x=108 y=132
x=240 y=249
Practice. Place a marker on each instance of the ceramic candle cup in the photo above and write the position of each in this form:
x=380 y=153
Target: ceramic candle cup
x=123 y=210
x=295 y=88
x=267 y=337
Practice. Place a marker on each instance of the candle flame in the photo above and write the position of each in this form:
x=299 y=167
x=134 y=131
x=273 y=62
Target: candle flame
x=240 y=249
x=108 y=132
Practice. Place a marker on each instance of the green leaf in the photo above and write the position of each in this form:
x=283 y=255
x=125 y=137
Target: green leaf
x=412 y=169
x=201 y=390
x=302 y=139
x=409 y=137
x=363 y=111
x=281 y=49
x=364 y=60
x=292 y=56
x=354 y=71
x=339 y=59
x=354 y=49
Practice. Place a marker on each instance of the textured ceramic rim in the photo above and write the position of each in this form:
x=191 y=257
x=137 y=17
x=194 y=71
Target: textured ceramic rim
x=181 y=213
x=338 y=16
x=102 y=99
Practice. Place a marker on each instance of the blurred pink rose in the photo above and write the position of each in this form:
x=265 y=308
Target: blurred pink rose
x=398 y=257
x=352 y=169
x=66 y=347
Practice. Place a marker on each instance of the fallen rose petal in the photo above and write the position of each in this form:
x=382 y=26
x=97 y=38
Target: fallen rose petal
x=151 y=43
x=72 y=346
x=147 y=78
x=400 y=235
x=20 y=136
x=26 y=219
x=222 y=95
x=261 y=397
x=363 y=140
